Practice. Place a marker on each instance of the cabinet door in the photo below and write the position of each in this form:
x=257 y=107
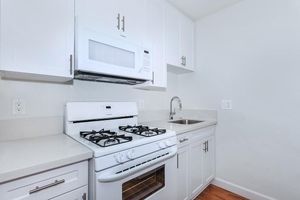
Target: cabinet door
x=187 y=42
x=196 y=167
x=101 y=16
x=209 y=160
x=37 y=37
x=183 y=173
x=79 y=194
x=132 y=21
x=172 y=35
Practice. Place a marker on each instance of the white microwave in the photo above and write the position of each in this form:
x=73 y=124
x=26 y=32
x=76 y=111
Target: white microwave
x=106 y=59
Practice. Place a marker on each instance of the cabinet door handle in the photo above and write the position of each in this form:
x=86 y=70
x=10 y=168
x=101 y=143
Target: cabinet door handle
x=177 y=161
x=183 y=140
x=40 y=188
x=71 y=64
x=204 y=149
x=152 y=78
x=183 y=60
x=118 y=23
x=206 y=146
x=84 y=196
x=123 y=24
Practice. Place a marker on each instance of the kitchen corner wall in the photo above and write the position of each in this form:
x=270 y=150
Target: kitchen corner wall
x=250 y=53
x=44 y=103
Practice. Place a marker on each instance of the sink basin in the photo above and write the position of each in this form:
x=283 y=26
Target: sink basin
x=186 y=121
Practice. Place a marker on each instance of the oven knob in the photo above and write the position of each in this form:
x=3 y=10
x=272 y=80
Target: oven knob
x=131 y=154
x=168 y=143
x=120 y=158
x=162 y=145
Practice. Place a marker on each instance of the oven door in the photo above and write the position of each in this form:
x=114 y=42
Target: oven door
x=156 y=182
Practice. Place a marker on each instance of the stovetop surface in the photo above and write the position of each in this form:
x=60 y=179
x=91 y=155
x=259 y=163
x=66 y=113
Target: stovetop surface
x=131 y=140
x=105 y=138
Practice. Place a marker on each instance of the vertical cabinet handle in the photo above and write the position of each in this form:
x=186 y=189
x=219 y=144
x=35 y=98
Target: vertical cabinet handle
x=177 y=161
x=71 y=64
x=118 y=23
x=152 y=78
x=206 y=146
x=84 y=196
x=183 y=60
x=123 y=24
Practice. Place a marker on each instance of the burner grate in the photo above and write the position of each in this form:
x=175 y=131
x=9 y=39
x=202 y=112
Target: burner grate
x=105 y=138
x=143 y=130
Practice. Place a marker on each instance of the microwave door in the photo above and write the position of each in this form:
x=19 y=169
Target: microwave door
x=105 y=55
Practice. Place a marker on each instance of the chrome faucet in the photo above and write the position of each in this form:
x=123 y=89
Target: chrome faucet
x=172 y=112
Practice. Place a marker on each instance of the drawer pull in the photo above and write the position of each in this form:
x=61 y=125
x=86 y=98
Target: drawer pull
x=183 y=140
x=40 y=188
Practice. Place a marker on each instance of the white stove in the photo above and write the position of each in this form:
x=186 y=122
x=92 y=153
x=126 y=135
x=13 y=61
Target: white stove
x=130 y=161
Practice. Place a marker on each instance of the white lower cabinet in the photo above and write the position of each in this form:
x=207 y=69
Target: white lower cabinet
x=209 y=160
x=196 y=165
x=195 y=162
x=68 y=183
x=182 y=173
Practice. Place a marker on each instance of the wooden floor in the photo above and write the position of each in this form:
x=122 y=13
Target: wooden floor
x=215 y=193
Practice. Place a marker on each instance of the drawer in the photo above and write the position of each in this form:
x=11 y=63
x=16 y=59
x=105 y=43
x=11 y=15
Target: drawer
x=46 y=185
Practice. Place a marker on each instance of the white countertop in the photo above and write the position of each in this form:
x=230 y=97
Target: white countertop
x=181 y=128
x=24 y=157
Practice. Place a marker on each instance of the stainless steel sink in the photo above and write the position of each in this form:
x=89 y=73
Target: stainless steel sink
x=186 y=121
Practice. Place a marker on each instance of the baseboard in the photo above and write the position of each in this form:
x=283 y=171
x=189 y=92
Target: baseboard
x=247 y=193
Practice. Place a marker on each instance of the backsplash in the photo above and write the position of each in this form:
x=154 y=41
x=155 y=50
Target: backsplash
x=44 y=103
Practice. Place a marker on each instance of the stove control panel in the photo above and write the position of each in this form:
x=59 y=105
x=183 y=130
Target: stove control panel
x=133 y=153
x=165 y=144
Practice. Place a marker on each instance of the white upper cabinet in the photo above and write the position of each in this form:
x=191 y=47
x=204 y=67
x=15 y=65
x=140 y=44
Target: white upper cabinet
x=37 y=39
x=154 y=41
x=114 y=18
x=187 y=42
x=172 y=36
x=99 y=15
x=179 y=40
x=132 y=21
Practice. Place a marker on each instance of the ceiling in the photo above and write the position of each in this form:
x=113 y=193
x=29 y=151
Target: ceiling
x=198 y=9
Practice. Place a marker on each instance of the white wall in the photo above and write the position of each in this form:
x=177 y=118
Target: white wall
x=250 y=53
x=45 y=102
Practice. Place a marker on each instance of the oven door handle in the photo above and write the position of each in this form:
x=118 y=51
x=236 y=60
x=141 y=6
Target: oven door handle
x=110 y=177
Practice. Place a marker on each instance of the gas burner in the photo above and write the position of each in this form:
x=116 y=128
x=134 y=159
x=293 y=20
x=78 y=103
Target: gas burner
x=105 y=138
x=142 y=130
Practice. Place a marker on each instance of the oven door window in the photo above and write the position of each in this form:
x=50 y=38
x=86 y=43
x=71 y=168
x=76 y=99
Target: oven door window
x=144 y=185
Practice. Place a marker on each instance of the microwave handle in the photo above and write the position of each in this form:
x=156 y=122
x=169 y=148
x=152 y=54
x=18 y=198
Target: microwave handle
x=111 y=176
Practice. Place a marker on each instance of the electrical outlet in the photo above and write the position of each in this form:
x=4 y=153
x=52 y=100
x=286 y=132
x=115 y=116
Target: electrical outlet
x=19 y=107
x=226 y=104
